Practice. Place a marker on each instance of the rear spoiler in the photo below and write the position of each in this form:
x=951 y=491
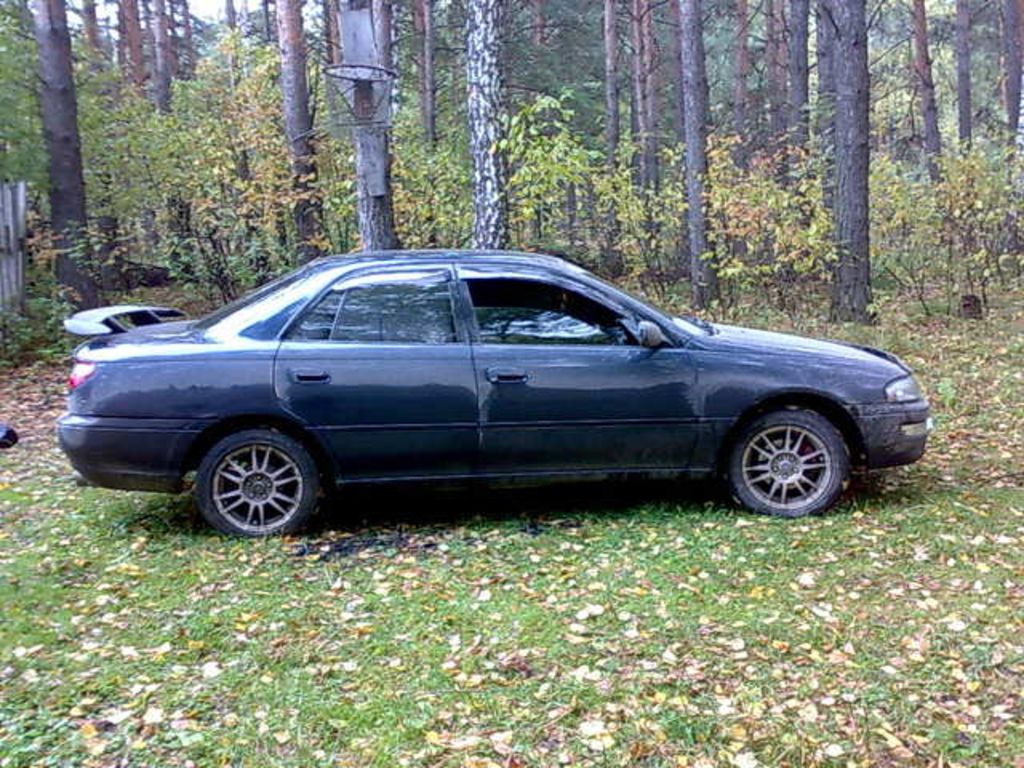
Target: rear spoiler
x=118 y=319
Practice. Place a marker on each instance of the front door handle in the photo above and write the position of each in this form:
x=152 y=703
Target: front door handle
x=309 y=376
x=506 y=375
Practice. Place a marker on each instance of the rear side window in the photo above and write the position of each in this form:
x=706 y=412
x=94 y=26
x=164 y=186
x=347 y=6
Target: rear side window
x=511 y=311
x=405 y=312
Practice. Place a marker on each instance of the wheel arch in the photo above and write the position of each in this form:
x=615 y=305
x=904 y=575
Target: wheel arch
x=230 y=425
x=824 y=405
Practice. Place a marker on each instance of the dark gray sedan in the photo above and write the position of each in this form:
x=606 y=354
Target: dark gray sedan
x=441 y=365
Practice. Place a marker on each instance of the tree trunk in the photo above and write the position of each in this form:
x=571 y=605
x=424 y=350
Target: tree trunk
x=644 y=106
x=332 y=32
x=299 y=126
x=230 y=15
x=741 y=92
x=91 y=26
x=964 y=110
x=423 y=18
x=366 y=32
x=611 y=79
x=131 y=40
x=851 y=296
x=695 y=87
x=59 y=109
x=161 y=58
x=484 y=77
x=923 y=70
x=825 y=45
x=775 y=50
x=1013 y=61
x=540 y=29
x=187 y=54
x=799 y=88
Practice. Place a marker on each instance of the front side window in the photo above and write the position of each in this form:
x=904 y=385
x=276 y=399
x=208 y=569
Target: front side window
x=510 y=311
x=415 y=311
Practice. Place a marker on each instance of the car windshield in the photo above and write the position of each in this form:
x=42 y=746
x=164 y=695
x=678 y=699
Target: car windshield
x=249 y=299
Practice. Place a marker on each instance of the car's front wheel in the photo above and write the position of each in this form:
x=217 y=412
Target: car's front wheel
x=257 y=482
x=789 y=463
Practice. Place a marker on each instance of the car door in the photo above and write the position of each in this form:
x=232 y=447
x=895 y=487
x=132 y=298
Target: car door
x=564 y=386
x=380 y=368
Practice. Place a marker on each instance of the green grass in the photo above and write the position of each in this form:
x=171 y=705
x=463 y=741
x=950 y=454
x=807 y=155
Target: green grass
x=613 y=624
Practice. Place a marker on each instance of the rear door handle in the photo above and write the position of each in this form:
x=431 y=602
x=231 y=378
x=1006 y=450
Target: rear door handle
x=506 y=375
x=308 y=376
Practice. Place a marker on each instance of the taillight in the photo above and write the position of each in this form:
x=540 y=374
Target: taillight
x=81 y=372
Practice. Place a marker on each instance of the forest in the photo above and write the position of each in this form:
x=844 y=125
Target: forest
x=805 y=157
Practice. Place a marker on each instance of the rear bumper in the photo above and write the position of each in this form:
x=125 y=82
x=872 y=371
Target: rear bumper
x=894 y=433
x=128 y=454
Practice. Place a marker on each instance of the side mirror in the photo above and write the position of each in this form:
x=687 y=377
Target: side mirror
x=649 y=335
x=8 y=437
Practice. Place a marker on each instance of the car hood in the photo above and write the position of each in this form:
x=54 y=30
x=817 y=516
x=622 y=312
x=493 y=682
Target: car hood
x=748 y=339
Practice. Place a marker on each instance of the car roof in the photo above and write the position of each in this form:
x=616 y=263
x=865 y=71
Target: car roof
x=454 y=255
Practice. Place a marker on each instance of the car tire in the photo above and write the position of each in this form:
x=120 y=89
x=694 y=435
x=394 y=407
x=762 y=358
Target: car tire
x=258 y=482
x=788 y=463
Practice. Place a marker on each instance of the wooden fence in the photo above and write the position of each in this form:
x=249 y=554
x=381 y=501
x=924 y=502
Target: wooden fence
x=13 y=199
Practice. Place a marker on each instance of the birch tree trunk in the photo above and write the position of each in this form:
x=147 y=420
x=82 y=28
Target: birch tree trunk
x=923 y=70
x=964 y=110
x=695 y=88
x=299 y=126
x=487 y=122
x=851 y=294
x=59 y=107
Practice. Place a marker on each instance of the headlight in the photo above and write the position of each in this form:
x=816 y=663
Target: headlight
x=903 y=390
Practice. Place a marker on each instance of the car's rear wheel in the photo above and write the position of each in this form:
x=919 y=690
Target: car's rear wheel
x=257 y=482
x=789 y=463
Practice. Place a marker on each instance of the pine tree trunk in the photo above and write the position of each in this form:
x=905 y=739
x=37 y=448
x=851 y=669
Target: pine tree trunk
x=644 y=111
x=161 y=58
x=695 y=87
x=775 y=50
x=485 y=19
x=741 y=91
x=851 y=296
x=187 y=54
x=59 y=108
x=1012 y=60
x=230 y=15
x=91 y=26
x=964 y=110
x=923 y=70
x=298 y=126
x=332 y=31
x=611 y=260
x=611 y=79
x=423 y=18
x=825 y=111
x=799 y=88
x=540 y=29
x=131 y=42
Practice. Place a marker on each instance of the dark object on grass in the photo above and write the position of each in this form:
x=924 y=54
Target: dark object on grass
x=460 y=365
x=8 y=437
x=971 y=307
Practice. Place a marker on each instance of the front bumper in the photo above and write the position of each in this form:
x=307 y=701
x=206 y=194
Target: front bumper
x=894 y=433
x=128 y=454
